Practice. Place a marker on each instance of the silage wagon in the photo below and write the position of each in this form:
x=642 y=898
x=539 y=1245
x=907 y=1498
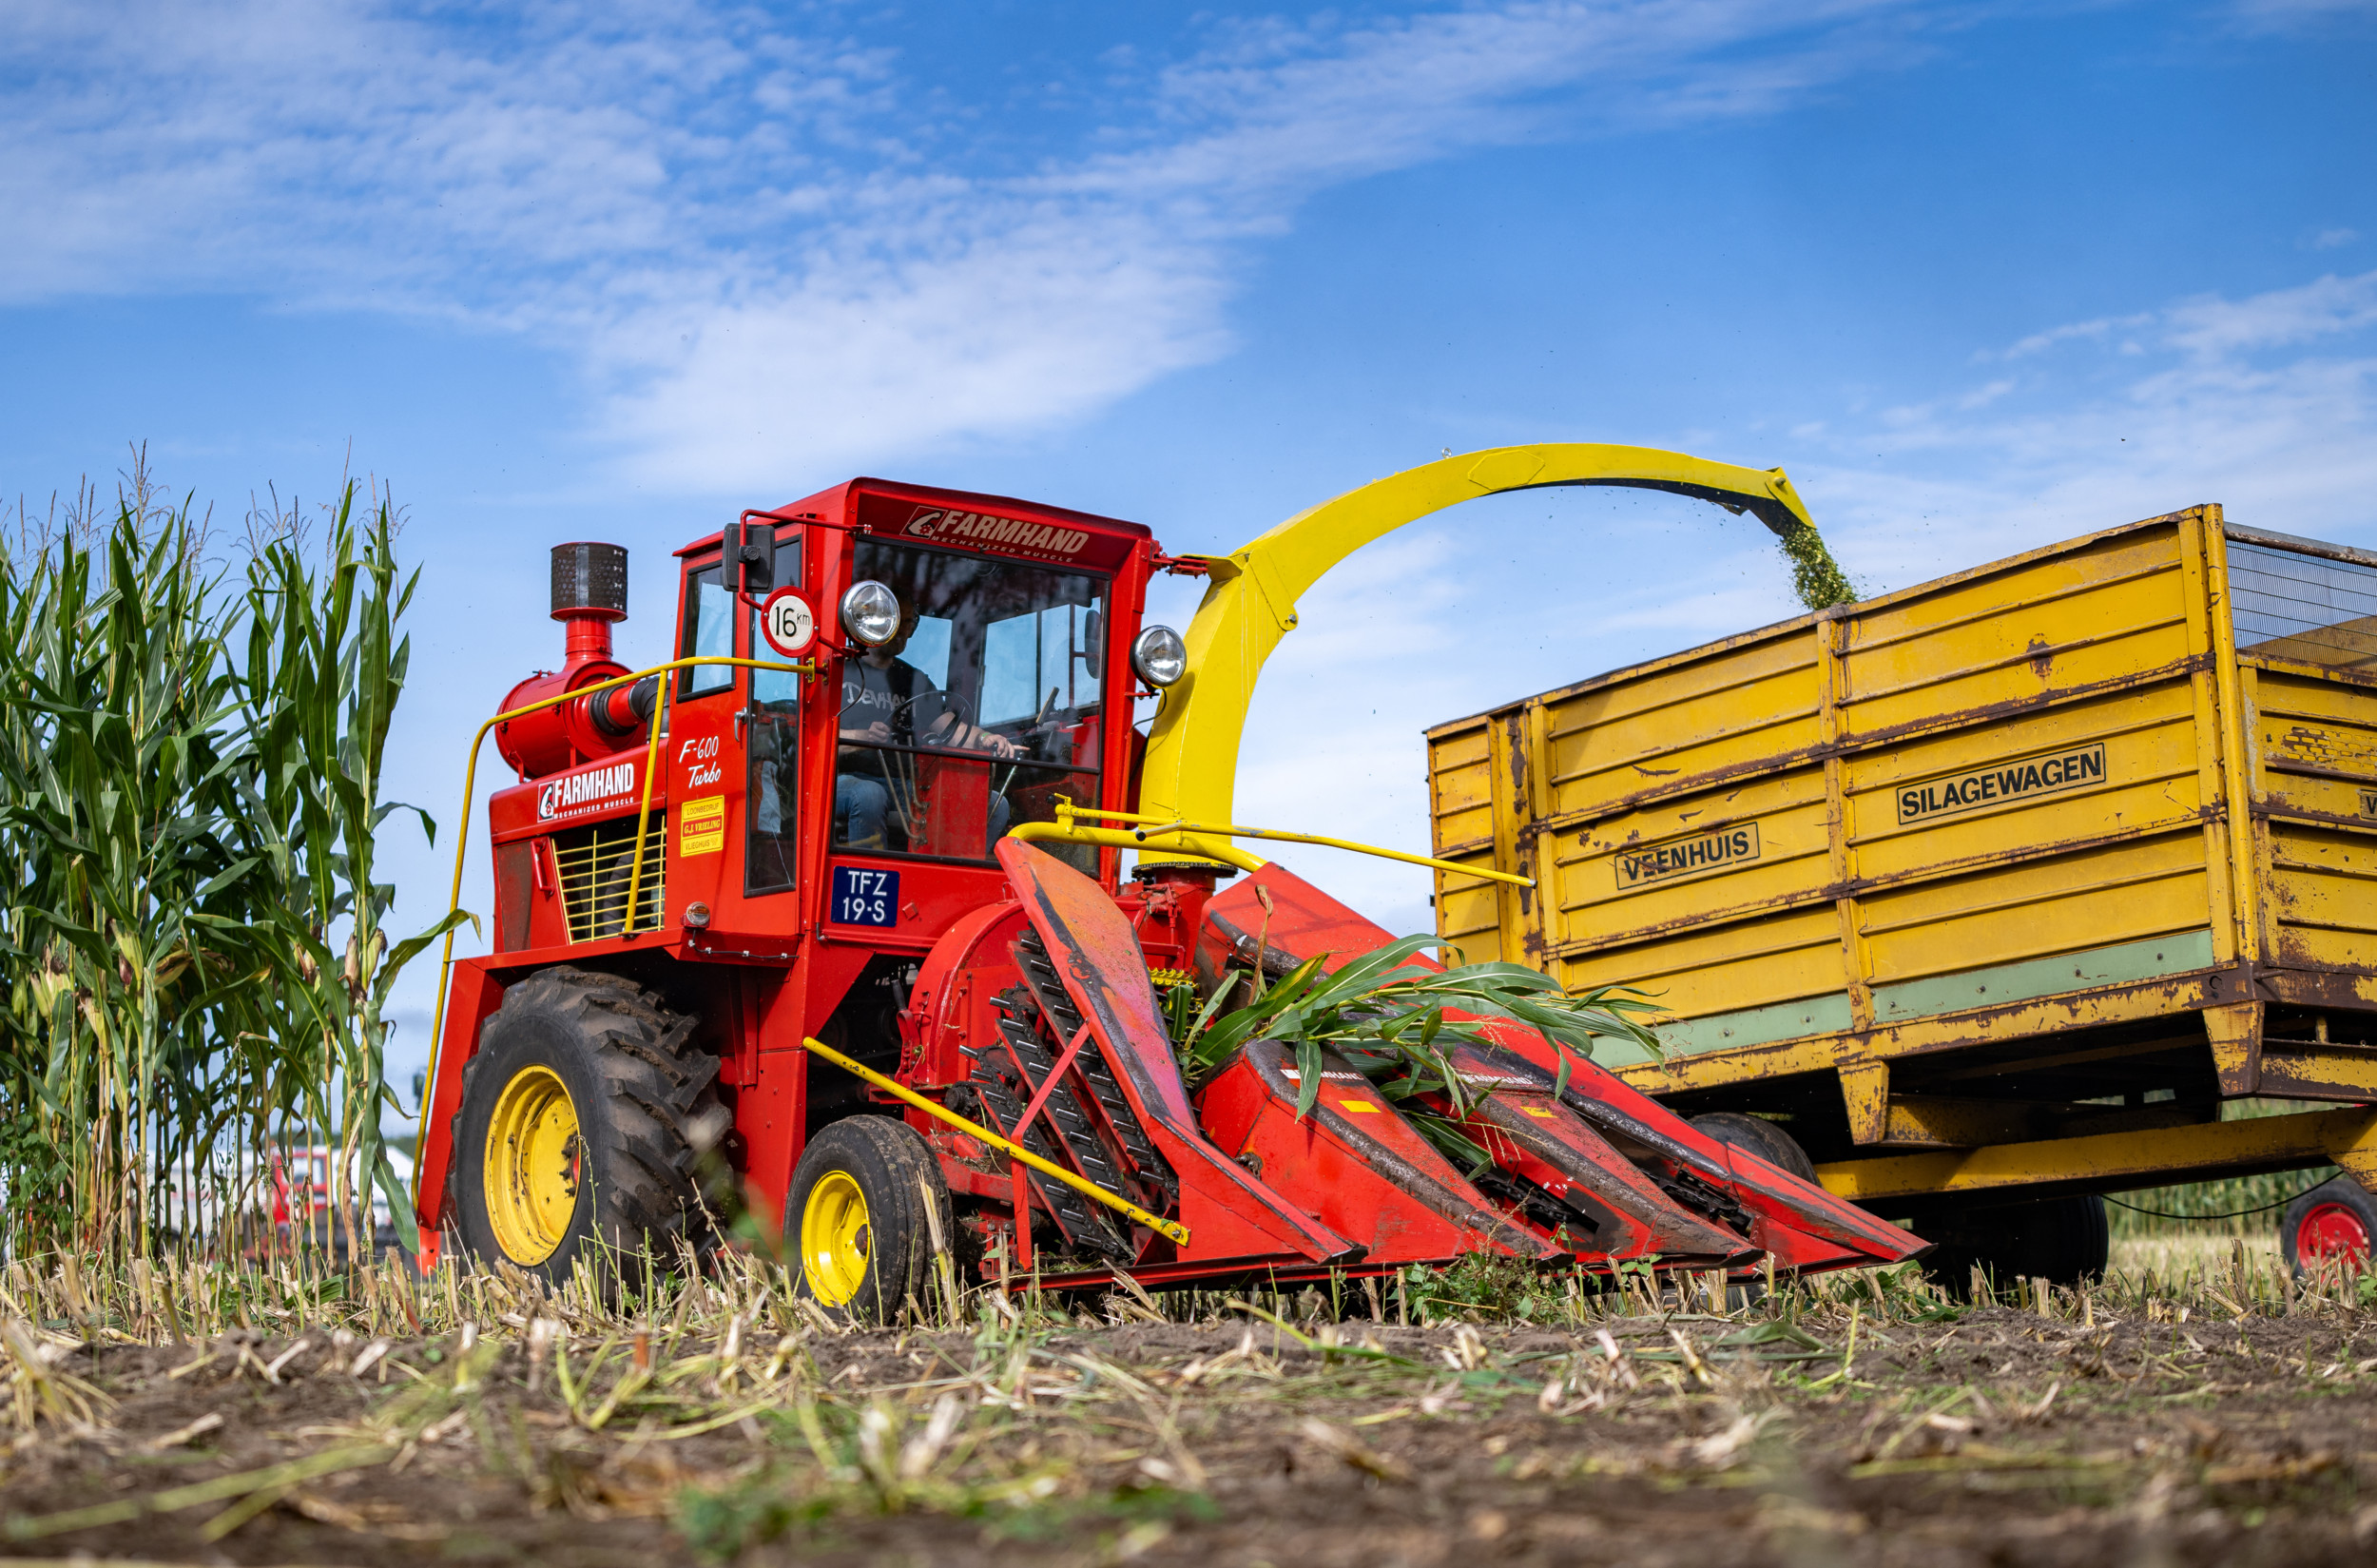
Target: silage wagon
x=1995 y=891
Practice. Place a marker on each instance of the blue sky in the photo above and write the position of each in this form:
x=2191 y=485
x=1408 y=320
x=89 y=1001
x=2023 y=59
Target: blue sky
x=1980 y=275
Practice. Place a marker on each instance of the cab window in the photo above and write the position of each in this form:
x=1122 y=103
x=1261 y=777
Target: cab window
x=709 y=631
x=1039 y=660
x=980 y=714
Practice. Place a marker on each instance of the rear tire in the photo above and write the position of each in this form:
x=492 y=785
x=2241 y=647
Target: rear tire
x=2065 y=1240
x=2335 y=1219
x=583 y=1119
x=865 y=1201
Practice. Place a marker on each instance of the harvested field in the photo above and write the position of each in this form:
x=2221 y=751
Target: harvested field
x=2217 y=1416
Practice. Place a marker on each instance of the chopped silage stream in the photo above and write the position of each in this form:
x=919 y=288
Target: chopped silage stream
x=1865 y=1421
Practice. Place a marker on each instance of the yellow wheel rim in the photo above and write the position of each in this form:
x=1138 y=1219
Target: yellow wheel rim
x=835 y=1238
x=534 y=1158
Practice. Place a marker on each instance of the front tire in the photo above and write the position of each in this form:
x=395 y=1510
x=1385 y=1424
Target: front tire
x=2335 y=1220
x=867 y=1200
x=582 y=1118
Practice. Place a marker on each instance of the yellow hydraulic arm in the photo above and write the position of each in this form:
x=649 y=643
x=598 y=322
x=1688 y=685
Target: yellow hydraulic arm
x=1191 y=766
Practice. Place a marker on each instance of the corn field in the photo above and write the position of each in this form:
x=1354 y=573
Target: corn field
x=191 y=769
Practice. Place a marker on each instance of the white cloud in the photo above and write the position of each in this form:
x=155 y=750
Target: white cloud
x=2329 y=238
x=2213 y=327
x=2038 y=343
x=771 y=250
x=2265 y=403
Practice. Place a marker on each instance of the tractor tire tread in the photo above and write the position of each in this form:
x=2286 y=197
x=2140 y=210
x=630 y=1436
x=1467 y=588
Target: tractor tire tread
x=655 y=1084
x=902 y=1224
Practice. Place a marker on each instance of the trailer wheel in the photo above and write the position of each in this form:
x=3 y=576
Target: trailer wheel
x=866 y=1201
x=583 y=1117
x=1761 y=1137
x=2335 y=1220
x=2063 y=1240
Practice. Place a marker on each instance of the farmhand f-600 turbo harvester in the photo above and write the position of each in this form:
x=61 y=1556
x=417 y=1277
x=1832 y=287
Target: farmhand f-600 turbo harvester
x=834 y=902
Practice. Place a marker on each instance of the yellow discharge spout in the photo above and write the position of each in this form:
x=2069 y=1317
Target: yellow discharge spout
x=1191 y=764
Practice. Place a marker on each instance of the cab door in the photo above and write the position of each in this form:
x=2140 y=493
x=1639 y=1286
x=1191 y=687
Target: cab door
x=771 y=726
x=698 y=753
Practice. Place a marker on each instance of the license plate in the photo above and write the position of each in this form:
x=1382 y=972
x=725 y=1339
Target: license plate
x=862 y=897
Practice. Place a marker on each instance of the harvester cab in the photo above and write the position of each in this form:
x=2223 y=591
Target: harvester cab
x=826 y=914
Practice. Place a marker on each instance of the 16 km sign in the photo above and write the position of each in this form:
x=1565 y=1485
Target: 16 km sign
x=787 y=623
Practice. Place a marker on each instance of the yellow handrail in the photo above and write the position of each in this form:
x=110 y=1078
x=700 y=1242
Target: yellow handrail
x=1013 y=1151
x=642 y=826
x=1192 y=837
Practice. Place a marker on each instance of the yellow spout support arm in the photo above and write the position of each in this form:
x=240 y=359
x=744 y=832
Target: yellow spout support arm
x=1212 y=841
x=1191 y=768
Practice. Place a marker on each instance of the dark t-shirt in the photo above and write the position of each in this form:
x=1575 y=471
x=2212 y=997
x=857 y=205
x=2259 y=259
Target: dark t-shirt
x=888 y=696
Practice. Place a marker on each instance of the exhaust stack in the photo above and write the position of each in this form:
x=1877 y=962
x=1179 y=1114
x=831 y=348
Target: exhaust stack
x=590 y=595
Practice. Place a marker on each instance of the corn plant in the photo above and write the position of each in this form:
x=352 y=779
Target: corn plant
x=323 y=668
x=1394 y=1018
x=189 y=789
x=112 y=790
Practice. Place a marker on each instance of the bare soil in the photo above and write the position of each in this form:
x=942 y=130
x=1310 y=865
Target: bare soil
x=2001 y=1438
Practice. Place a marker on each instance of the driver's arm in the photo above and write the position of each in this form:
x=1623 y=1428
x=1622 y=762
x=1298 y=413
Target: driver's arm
x=947 y=730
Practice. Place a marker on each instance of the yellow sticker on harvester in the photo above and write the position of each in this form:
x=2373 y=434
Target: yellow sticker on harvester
x=1355 y=1105
x=702 y=825
x=1537 y=1111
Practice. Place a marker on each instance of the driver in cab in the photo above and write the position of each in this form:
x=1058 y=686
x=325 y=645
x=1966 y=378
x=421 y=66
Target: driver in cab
x=883 y=696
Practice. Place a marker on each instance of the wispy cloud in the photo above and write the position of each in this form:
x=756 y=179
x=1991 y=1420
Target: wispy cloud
x=2298 y=16
x=2266 y=402
x=2038 y=343
x=2327 y=307
x=773 y=251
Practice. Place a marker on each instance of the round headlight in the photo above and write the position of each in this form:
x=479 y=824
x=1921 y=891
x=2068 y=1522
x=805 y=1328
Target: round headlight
x=870 y=612
x=1159 y=655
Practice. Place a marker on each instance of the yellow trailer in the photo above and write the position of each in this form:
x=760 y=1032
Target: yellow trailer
x=1994 y=888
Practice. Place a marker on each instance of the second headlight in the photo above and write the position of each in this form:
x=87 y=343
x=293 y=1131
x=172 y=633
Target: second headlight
x=1159 y=655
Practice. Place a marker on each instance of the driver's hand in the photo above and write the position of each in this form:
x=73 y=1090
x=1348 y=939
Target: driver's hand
x=997 y=745
x=877 y=733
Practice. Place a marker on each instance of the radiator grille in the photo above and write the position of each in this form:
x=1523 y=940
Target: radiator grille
x=594 y=865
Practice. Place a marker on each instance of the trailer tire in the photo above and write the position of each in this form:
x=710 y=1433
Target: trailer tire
x=2063 y=1240
x=584 y=1118
x=866 y=1205
x=1761 y=1137
x=2335 y=1219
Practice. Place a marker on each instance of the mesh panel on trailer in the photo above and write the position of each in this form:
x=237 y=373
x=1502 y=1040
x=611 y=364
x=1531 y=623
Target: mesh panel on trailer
x=2289 y=604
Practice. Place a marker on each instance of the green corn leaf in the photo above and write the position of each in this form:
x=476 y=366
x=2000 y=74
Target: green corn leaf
x=1308 y=1077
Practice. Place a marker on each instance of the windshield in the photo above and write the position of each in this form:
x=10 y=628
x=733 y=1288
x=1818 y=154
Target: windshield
x=978 y=713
